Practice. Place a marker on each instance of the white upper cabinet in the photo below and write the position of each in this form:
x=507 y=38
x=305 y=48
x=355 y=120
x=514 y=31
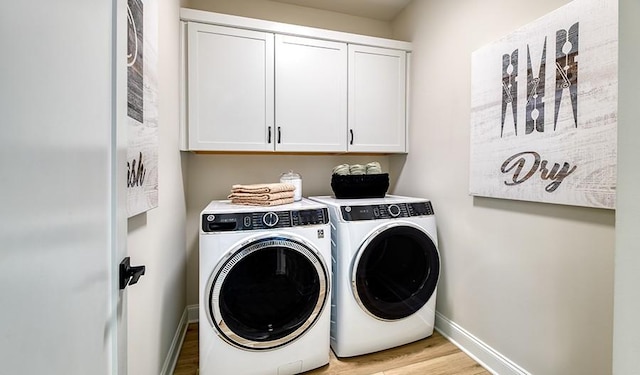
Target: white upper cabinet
x=230 y=89
x=311 y=95
x=377 y=99
x=259 y=86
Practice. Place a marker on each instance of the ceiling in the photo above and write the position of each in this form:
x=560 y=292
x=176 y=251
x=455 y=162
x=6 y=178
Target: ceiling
x=384 y=10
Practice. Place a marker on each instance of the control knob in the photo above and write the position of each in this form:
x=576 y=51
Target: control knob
x=393 y=210
x=270 y=219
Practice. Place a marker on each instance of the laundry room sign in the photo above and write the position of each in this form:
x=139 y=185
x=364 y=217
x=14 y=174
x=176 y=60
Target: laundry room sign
x=544 y=109
x=142 y=106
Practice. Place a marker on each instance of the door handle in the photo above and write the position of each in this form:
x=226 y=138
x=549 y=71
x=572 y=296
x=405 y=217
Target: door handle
x=269 y=135
x=351 y=133
x=279 y=134
x=129 y=274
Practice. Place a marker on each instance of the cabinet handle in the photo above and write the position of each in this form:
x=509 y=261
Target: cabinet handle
x=269 y=135
x=279 y=134
x=351 y=132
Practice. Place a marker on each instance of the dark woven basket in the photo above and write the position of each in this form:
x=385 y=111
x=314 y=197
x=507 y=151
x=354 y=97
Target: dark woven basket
x=360 y=186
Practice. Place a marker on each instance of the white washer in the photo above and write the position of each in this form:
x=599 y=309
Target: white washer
x=264 y=288
x=385 y=272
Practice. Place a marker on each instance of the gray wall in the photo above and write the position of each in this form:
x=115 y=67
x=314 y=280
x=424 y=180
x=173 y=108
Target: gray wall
x=533 y=281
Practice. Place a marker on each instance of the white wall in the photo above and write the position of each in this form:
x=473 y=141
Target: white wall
x=211 y=176
x=297 y=15
x=157 y=238
x=626 y=339
x=532 y=281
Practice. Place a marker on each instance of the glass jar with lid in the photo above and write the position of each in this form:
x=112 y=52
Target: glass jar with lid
x=294 y=179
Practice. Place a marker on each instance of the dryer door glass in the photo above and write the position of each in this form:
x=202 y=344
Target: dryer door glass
x=267 y=293
x=395 y=272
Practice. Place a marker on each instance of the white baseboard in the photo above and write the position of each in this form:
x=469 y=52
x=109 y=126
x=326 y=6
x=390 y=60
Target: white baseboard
x=489 y=358
x=193 y=313
x=190 y=315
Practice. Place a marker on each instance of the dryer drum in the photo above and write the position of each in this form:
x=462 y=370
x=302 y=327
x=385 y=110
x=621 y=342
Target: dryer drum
x=395 y=272
x=267 y=293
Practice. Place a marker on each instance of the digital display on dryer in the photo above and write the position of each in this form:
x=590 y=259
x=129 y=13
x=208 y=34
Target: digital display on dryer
x=355 y=213
x=420 y=209
x=310 y=217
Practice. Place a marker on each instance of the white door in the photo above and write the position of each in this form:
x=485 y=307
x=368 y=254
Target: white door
x=377 y=99
x=61 y=215
x=311 y=95
x=230 y=89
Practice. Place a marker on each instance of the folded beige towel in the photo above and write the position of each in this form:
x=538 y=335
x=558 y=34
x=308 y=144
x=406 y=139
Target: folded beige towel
x=261 y=196
x=262 y=188
x=252 y=202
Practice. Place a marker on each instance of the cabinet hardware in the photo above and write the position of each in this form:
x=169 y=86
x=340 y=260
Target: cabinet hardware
x=279 y=134
x=269 y=136
x=351 y=132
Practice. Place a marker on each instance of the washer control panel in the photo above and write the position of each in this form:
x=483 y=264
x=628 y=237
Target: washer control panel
x=226 y=222
x=386 y=211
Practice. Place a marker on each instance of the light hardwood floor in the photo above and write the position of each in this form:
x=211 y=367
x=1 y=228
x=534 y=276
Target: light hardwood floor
x=434 y=355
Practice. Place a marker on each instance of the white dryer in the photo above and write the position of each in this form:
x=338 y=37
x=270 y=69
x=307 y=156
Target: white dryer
x=264 y=288
x=385 y=272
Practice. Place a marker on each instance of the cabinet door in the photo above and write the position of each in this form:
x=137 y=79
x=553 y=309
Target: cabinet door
x=230 y=89
x=377 y=99
x=311 y=95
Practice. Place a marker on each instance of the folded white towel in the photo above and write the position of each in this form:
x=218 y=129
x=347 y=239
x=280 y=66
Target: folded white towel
x=357 y=169
x=373 y=168
x=342 y=169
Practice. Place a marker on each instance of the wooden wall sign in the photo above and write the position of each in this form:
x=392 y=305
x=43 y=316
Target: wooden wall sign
x=142 y=106
x=544 y=109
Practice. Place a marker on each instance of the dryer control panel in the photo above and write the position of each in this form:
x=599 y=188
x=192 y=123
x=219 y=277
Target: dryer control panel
x=386 y=211
x=226 y=222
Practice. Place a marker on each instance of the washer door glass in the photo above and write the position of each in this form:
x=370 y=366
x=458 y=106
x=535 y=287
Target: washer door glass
x=395 y=272
x=267 y=293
